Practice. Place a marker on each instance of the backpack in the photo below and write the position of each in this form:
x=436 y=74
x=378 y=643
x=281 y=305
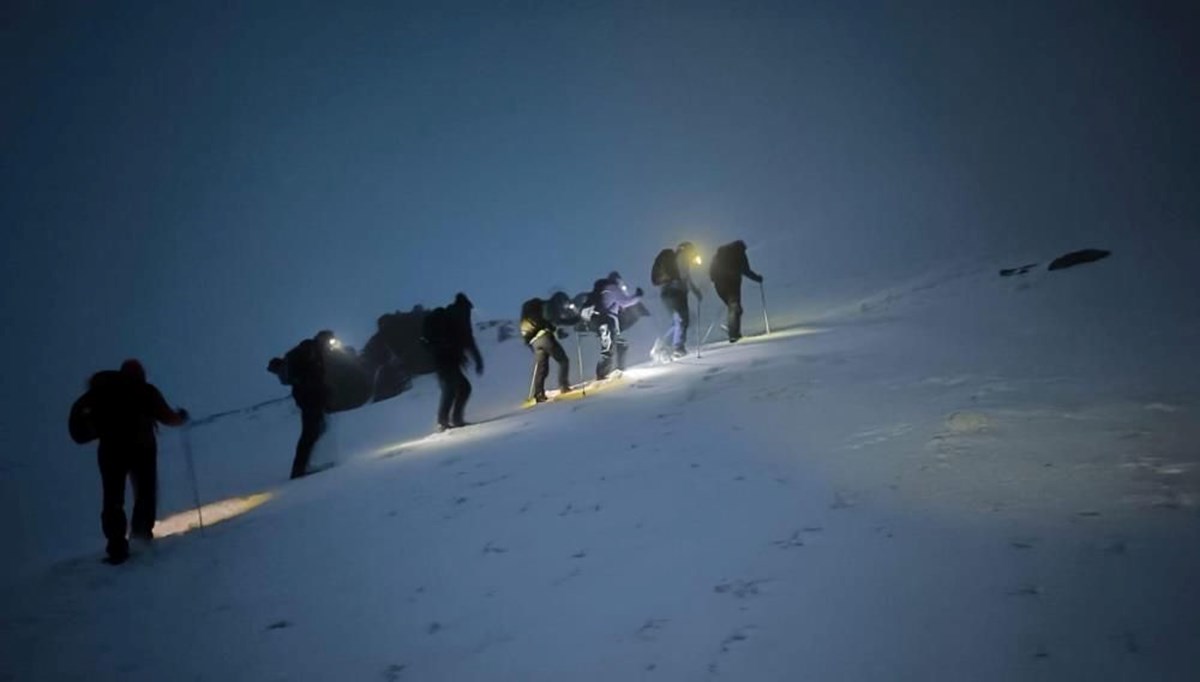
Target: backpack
x=665 y=268
x=437 y=328
x=80 y=424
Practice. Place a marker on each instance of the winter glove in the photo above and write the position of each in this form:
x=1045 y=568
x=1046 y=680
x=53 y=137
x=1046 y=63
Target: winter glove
x=759 y=279
x=561 y=333
x=639 y=293
x=183 y=414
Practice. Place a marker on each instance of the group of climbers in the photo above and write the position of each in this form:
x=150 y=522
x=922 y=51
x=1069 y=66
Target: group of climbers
x=121 y=409
x=601 y=310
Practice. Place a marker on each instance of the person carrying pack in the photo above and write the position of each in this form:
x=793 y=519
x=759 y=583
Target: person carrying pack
x=611 y=296
x=306 y=374
x=671 y=272
x=728 y=267
x=122 y=410
x=540 y=335
x=448 y=335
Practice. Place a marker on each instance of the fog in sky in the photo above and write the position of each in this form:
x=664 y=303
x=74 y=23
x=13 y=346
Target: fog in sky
x=202 y=184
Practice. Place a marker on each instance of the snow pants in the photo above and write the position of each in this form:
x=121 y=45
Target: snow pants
x=312 y=425
x=138 y=462
x=732 y=298
x=676 y=303
x=546 y=347
x=456 y=391
x=612 y=347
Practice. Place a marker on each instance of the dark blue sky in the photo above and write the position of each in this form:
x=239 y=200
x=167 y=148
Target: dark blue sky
x=201 y=184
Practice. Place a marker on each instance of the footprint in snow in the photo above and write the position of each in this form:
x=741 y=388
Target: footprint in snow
x=650 y=629
x=741 y=589
x=842 y=500
x=792 y=542
x=739 y=635
x=490 y=548
x=573 y=573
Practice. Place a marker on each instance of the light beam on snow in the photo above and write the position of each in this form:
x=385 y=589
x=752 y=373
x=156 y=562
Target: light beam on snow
x=436 y=441
x=645 y=372
x=774 y=335
x=214 y=513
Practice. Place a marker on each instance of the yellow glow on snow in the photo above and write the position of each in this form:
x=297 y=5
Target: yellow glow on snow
x=214 y=513
x=646 y=371
x=437 y=441
x=785 y=334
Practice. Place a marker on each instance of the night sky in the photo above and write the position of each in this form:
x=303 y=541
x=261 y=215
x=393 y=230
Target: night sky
x=202 y=184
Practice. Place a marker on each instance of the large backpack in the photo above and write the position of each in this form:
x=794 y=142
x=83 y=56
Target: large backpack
x=533 y=318
x=438 y=329
x=665 y=268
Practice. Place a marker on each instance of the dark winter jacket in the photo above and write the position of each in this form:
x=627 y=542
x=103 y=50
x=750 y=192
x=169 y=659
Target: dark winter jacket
x=729 y=265
x=448 y=333
x=613 y=296
x=121 y=408
x=306 y=374
x=561 y=310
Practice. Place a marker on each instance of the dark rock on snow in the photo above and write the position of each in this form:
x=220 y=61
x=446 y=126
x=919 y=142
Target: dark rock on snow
x=1078 y=258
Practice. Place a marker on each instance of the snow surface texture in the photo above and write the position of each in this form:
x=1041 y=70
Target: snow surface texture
x=965 y=478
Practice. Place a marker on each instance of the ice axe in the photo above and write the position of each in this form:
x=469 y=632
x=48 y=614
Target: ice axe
x=185 y=436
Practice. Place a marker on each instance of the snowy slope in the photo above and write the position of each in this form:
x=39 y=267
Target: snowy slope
x=965 y=477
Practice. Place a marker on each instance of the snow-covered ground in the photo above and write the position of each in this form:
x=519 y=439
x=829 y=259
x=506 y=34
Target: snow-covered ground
x=967 y=477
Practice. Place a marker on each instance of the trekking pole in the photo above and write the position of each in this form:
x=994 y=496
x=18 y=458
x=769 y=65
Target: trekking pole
x=762 y=290
x=699 y=341
x=579 y=354
x=532 y=380
x=191 y=467
x=710 y=328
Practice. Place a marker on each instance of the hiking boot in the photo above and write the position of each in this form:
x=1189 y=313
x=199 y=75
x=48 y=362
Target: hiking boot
x=678 y=353
x=540 y=398
x=118 y=553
